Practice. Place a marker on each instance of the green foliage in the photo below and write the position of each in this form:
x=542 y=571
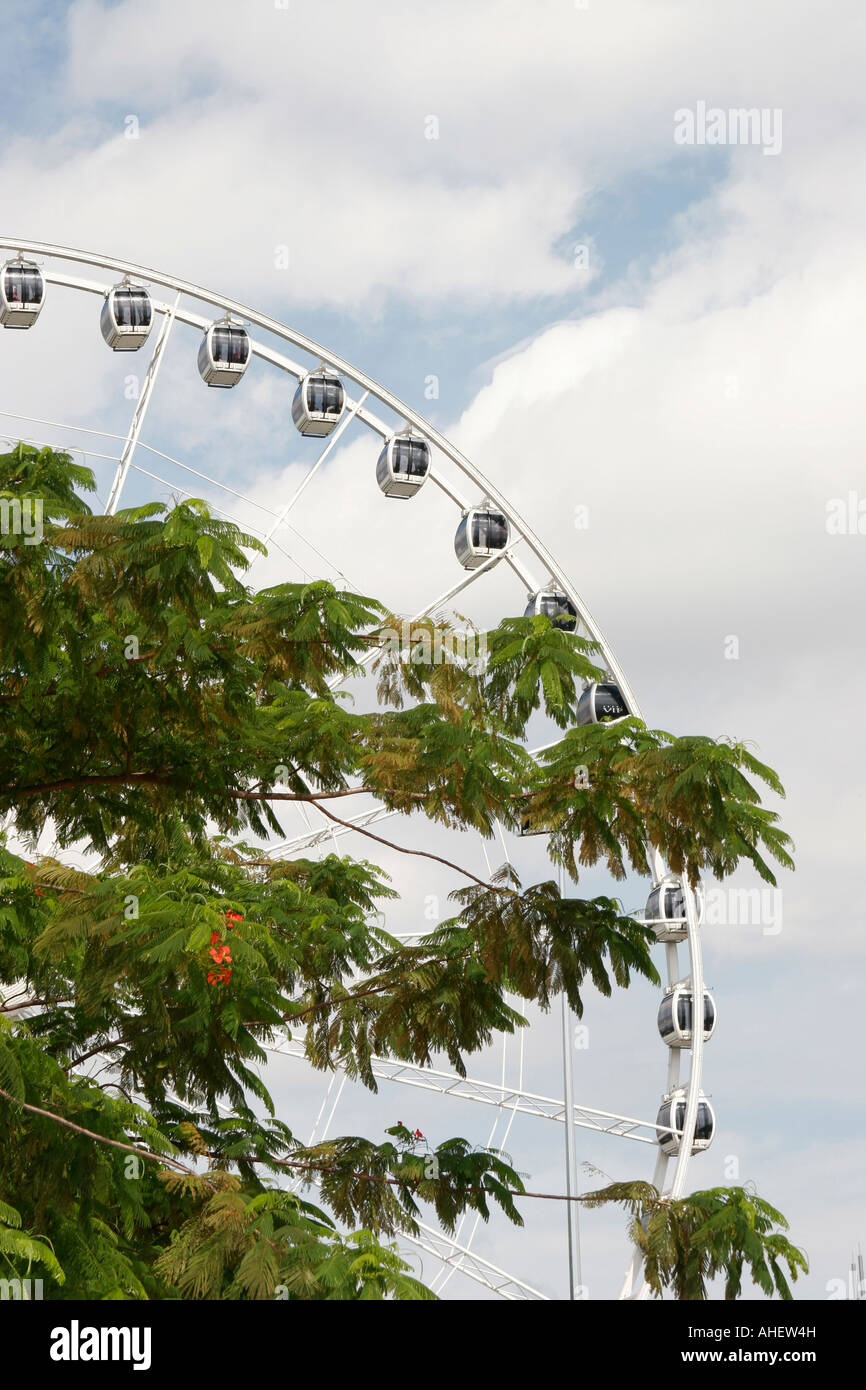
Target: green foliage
x=236 y=1245
x=155 y=709
x=688 y=1242
x=454 y=1177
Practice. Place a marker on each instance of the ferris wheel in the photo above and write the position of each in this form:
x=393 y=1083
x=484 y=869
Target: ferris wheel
x=142 y=309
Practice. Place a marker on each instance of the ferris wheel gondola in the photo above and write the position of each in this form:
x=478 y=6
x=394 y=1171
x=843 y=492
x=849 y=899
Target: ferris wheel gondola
x=601 y=703
x=676 y=1015
x=482 y=533
x=318 y=403
x=665 y=909
x=672 y=1115
x=22 y=293
x=126 y=318
x=224 y=353
x=548 y=603
x=403 y=465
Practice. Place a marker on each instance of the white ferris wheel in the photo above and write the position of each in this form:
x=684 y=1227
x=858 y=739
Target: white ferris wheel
x=141 y=309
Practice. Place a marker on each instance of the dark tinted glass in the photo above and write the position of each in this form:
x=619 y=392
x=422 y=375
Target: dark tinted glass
x=663 y=1118
x=489 y=531
x=324 y=395
x=410 y=457
x=132 y=309
x=684 y=1013
x=674 y=907
x=230 y=344
x=558 y=608
x=666 y=1027
x=704 y=1124
x=24 y=284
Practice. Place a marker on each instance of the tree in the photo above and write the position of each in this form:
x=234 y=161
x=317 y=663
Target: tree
x=687 y=1242
x=158 y=712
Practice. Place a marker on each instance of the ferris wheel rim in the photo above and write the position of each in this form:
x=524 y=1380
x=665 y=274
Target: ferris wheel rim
x=184 y=288
x=362 y=379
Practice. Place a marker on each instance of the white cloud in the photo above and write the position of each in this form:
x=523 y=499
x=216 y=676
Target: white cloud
x=282 y=127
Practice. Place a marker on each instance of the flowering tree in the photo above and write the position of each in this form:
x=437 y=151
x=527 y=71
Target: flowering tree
x=158 y=712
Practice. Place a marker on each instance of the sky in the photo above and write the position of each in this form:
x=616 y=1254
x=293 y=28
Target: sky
x=663 y=338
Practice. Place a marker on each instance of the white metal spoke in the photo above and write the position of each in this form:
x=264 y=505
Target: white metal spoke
x=59 y=425
x=140 y=411
x=333 y=438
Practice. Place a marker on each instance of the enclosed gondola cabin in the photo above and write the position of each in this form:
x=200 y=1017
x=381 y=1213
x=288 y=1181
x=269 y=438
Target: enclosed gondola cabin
x=601 y=703
x=22 y=294
x=666 y=910
x=318 y=403
x=671 y=1116
x=676 y=1016
x=224 y=354
x=403 y=465
x=481 y=533
x=548 y=603
x=126 y=318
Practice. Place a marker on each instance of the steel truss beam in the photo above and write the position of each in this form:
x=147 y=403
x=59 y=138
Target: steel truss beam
x=461 y=1259
x=504 y=1097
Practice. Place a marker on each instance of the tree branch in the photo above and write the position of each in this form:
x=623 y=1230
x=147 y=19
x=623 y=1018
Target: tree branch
x=105 y=780
x=165 y=1160
x=102 y=1047
x=420 y=853
x=31 y=1003
x=102 y=1138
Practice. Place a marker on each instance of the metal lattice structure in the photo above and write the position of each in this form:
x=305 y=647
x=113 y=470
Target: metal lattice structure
x=174 y=301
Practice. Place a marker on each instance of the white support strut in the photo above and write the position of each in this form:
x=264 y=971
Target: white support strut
x=140 y=411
